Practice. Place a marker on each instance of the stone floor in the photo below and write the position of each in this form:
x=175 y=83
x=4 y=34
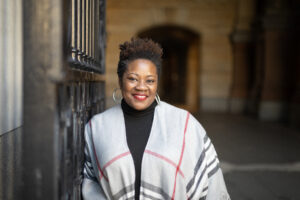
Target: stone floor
x=260 y=161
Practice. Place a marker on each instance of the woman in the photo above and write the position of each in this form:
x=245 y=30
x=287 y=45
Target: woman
x=146 y=148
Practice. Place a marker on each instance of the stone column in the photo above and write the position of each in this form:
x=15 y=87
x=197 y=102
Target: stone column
x=242 y=45
x=273 y=104
x=257 y=79
x=273 y=97
x=294 y=108
x=294 y=115
x=242 y=51
x=43 y=61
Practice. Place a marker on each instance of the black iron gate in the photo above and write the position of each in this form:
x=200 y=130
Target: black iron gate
x=64 y=51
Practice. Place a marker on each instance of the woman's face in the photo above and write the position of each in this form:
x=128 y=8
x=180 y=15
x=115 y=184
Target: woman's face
x=139 y=84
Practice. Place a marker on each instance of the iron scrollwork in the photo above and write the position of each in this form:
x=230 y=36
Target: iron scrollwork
x=79 y=97
x=77 y=103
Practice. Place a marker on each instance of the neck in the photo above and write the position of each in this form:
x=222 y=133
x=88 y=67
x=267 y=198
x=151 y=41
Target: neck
x=127 y=109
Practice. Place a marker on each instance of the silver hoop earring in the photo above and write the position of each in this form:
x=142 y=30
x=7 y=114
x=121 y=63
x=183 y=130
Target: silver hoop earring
x=157 y=99
x=116 y=99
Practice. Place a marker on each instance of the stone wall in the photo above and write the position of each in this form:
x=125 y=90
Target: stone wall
x=11 y=97
x=63 y=87
x=248 y=51
x=212 y=20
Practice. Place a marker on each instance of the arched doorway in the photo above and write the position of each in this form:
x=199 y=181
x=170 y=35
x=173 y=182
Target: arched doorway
x=179 y=78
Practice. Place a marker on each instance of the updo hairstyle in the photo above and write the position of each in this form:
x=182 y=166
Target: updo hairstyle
x=139 y=48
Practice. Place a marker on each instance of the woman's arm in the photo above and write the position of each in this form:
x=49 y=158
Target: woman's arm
x=216 y=186
x=91 y=189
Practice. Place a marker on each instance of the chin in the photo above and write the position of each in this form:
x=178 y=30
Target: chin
x=140 y=105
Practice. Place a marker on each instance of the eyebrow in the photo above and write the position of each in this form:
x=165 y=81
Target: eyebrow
x=132 y=73
x=138 y=74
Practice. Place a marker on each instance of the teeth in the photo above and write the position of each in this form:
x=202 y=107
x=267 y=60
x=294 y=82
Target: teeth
x=141 y=97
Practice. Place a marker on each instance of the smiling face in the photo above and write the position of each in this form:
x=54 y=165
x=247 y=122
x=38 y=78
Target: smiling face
x=139 y=84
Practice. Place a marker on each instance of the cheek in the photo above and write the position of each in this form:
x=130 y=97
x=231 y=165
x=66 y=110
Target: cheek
x=126 y=88
x=154 y=89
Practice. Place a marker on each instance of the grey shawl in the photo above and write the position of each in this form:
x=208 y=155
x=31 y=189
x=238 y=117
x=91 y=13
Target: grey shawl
x=179 y=161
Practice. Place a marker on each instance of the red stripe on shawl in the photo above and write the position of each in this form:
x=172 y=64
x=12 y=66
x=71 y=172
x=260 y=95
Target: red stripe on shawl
x=98 y=164
x=181 y=155
x=165 y=159
x=115 y=158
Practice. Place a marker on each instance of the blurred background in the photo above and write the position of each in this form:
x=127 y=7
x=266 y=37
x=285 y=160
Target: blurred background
x=238 y=56
x=234 y=64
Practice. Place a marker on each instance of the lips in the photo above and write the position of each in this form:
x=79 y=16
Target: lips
x=140 y=97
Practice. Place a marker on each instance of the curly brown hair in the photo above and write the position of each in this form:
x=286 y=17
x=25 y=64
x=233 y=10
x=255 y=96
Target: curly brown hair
x=136 y=48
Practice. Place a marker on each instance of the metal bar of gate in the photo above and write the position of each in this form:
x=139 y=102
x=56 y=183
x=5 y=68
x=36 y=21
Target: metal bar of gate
x=59 y=99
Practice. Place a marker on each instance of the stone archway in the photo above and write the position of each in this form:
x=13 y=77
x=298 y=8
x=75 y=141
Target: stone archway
x=179 y=80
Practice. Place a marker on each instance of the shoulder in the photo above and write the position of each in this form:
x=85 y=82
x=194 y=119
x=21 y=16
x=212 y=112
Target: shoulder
x=170 y=109
x=173 y=113
x=106 y=122
x=109 y=113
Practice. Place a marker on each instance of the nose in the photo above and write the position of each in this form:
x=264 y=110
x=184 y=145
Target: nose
x=141 y=85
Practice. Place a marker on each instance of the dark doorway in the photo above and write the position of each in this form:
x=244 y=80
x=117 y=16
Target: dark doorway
x=173 y=80
x=178 y=83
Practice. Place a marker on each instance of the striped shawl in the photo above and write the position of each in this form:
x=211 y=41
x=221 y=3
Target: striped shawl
x=179 y=161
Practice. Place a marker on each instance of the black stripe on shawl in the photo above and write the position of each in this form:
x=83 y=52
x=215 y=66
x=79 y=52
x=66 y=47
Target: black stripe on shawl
x=205 y=138
x=206 y=149
x=149 y=196
x=155 y=189
x=203 y=198
x=204 y=190
x=214 y=170
x=198 y=182
x=198 y=165
x=213 y=161
x=124 y=191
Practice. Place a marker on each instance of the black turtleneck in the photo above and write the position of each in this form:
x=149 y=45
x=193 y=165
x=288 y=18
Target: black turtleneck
x=138 y=125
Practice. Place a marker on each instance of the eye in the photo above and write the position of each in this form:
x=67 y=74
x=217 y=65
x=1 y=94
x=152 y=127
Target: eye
x=150 y=81
x=132 y=79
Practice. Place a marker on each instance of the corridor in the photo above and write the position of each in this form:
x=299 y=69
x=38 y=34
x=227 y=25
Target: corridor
x=260 y=160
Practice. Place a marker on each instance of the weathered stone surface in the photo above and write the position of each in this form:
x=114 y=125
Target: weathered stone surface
x=211 y=20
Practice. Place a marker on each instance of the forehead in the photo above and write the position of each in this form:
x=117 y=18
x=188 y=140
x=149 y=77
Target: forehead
x=141 y=67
